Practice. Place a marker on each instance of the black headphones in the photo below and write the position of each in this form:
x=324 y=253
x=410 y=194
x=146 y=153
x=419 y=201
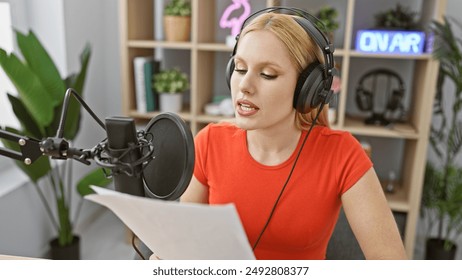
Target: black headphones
x=365 y=97
x=314 y=83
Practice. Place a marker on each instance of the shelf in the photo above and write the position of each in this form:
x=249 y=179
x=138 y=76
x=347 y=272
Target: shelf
x=339 y=52
x=399 y=130
x=219 y=47
x=390 y=56
x=397 y=200
x=149 y=115
x=209 y=118
x=149 y=44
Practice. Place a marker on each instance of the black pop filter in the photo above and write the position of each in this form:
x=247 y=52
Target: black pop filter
x=168 y=175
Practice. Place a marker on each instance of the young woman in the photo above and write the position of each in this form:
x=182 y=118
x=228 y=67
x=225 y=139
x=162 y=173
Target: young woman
x=287 y=187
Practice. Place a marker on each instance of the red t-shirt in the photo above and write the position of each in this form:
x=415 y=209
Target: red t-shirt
x=330 y=163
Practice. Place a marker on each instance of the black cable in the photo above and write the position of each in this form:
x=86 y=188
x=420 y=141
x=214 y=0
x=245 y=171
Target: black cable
x=136 y=248
x=288 y=177
x=62 y=120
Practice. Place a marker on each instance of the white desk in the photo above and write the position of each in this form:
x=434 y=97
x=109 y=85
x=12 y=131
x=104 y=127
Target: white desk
x=9 y=257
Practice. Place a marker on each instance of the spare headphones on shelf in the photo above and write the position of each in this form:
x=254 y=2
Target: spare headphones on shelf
x=314 y=83
x=365 y=96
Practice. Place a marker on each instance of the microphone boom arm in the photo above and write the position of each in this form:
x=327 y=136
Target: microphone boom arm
x=30 y=147
x=56 y=147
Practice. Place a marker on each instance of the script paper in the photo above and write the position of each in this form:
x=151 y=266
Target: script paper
x=185 y=231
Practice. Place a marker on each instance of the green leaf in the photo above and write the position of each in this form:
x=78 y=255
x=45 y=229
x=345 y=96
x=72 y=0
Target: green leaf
x=432 y=190
x=77 y=83
x=29 y=124
x=42 y=65
x=34 y=96
x=84 y=61
x=96 y=177
x=455 y=139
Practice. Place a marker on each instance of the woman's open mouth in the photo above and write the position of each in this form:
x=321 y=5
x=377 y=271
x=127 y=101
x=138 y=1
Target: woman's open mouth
x=246 y=108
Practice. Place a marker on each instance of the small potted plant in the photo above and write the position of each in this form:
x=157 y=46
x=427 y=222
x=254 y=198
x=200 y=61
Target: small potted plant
x=400 y=18
x=170 y=84
x=177 y=20
x=328 y=16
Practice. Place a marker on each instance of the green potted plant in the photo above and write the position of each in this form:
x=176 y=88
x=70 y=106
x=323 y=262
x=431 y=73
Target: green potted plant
x=170 y=84
x=38 y=106
x=328 y=21
x=177 y=20
x=442 y=193
x=401 y=18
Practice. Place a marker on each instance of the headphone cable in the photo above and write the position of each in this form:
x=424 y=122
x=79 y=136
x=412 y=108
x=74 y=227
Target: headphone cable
x=288 y=177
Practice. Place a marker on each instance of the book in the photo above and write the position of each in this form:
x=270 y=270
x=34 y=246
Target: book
x=146 y=98
x=152 y=99
x=140 y=86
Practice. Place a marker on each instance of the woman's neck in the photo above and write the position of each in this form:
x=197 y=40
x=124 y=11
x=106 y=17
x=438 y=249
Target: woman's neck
x=274 y=145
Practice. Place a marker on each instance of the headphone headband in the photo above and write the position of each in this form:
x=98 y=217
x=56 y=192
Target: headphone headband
x=382 y=71
x=308 y=25
x=365 y=95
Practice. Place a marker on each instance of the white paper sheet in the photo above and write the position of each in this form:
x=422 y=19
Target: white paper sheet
x=183 y=231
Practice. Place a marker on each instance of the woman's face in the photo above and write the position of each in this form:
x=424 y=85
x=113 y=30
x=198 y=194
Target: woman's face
x=263 y=82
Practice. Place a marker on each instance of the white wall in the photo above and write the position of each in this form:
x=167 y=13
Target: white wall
x=95 y=22
x=46 y=18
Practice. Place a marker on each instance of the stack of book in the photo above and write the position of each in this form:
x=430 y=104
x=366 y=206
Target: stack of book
x=146 y=98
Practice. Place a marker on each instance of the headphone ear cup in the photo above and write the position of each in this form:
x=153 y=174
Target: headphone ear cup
x=395 y=100
x=364 y=99
x=309 y=88
x=229 y=71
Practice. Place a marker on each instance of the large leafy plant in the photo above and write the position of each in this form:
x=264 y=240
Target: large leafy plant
x=442 y=194
x=38 y=106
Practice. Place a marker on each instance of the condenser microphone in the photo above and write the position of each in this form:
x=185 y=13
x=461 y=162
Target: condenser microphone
x=157 y=162
x=123 y=147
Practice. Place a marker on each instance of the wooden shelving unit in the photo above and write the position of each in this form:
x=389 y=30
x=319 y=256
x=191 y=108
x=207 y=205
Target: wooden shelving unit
x=137 y=25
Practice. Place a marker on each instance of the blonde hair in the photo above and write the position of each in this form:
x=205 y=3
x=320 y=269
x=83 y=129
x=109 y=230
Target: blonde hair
x=303 y=51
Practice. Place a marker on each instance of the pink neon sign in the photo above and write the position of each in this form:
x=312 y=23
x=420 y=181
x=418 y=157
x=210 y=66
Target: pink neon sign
x=235 y=23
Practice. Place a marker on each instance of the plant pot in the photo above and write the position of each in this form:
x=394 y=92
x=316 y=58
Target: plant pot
x=177 y=28
x=435 y=250
x=170 y=102
x=69 y=252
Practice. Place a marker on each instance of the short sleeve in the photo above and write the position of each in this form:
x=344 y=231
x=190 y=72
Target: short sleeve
x=201 y=146
x=353 y=162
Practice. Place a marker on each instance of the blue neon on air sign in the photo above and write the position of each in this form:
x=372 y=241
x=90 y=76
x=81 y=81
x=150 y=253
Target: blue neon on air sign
x=391 y=42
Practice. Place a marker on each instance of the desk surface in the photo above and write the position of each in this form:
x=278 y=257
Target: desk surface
x=9 y=257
